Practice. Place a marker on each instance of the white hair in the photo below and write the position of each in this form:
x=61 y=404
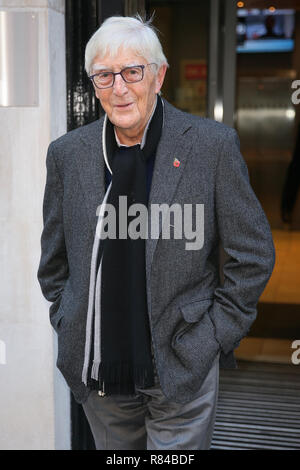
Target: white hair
x=130 y=32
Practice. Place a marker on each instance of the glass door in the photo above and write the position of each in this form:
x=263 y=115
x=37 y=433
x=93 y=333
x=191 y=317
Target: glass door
x=183 y=28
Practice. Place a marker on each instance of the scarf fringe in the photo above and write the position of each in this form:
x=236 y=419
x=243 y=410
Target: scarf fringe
x=121 y=378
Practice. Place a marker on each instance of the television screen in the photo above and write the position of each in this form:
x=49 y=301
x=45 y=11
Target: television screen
x=265 y=30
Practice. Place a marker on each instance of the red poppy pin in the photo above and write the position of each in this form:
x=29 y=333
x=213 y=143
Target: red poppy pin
x=176 y=162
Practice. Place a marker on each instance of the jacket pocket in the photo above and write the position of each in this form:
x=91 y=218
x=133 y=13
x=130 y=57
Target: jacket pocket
x=194 y=343
x=194 y=311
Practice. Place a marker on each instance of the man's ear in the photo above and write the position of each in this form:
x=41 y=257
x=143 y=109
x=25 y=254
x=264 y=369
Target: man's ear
x=96 y=90
x=160 y=77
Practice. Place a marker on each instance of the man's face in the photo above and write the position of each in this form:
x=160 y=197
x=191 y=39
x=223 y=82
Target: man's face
x=129 y=105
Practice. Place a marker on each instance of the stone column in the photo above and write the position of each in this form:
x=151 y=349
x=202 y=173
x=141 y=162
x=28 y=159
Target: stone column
x=35 y=407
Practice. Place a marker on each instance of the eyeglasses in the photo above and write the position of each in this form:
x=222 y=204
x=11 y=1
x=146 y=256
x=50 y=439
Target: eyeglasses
x=129 y=74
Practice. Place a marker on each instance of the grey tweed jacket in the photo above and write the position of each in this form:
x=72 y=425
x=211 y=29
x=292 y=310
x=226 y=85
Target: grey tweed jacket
x=193 y=314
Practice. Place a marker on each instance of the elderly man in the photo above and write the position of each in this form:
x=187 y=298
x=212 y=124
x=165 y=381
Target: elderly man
x=143 y=321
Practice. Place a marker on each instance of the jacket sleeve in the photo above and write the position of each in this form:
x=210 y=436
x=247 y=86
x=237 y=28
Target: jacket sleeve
x=53 y=267
x=247 y=241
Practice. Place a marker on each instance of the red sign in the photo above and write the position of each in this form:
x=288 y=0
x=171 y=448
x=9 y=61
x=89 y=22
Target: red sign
x=195 y=71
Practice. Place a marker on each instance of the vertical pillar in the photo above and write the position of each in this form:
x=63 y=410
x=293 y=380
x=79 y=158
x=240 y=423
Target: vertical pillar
x=35 y=408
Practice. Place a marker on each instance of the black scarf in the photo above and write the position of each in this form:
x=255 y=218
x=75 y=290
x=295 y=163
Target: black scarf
x=126 y=358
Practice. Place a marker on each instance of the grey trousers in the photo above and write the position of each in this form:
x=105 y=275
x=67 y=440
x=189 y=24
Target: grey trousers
x=149 y=421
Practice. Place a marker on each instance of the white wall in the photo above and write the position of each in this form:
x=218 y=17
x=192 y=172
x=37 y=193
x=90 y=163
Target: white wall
x=34 y=399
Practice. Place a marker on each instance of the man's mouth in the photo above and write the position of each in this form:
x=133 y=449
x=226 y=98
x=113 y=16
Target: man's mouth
x=123 y=106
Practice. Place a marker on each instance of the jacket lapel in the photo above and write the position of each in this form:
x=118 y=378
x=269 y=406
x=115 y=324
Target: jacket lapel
x=91 y=169
x=175 y=143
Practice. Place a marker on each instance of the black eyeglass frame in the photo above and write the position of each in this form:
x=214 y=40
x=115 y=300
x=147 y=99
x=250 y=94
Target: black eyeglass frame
x=142 y=67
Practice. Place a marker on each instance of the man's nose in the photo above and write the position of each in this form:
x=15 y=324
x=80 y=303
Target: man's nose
x=120 y=86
